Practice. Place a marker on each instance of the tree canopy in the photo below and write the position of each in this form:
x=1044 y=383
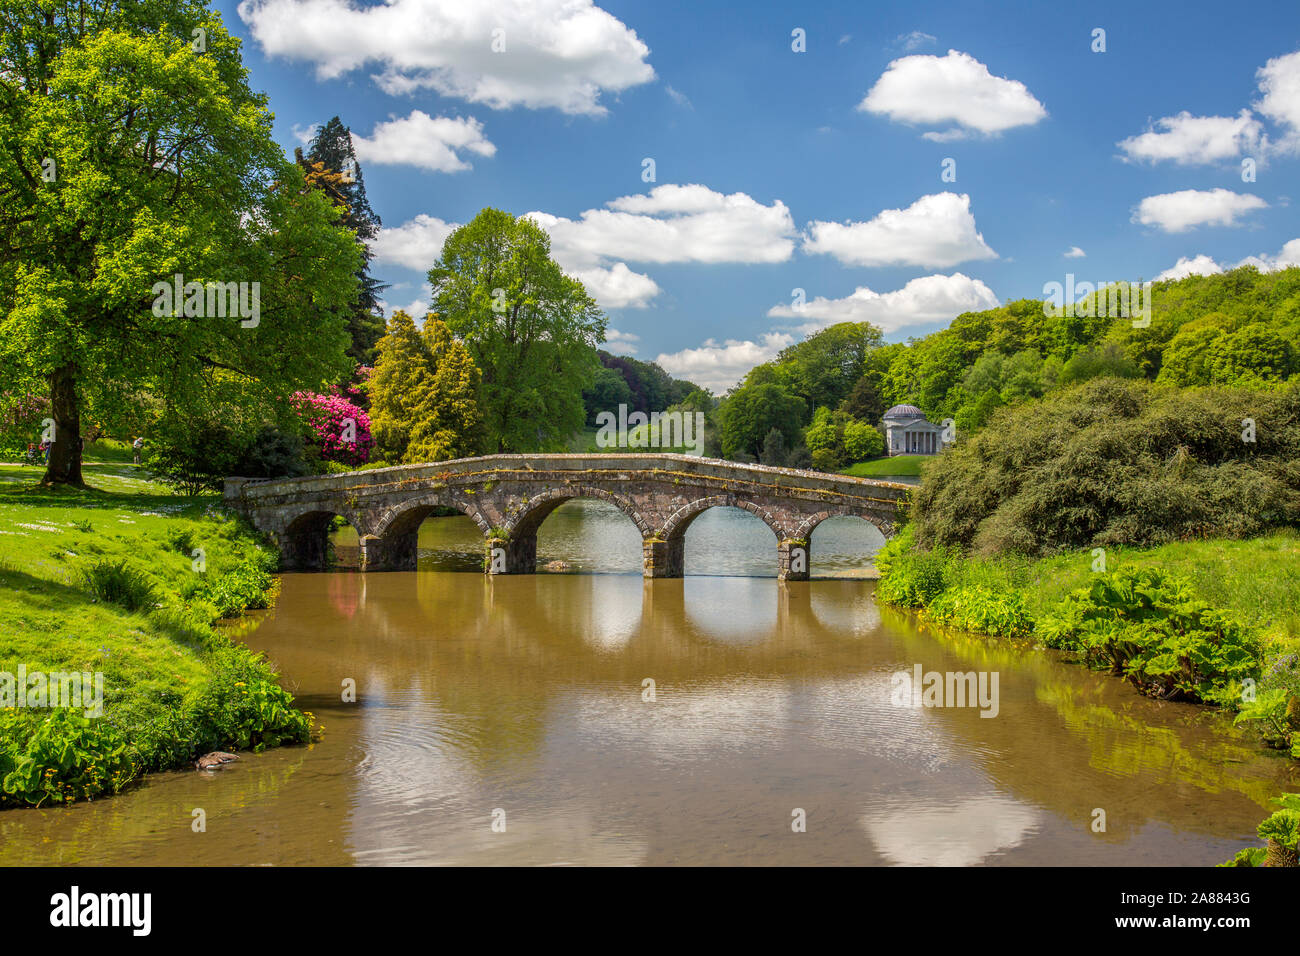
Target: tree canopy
x=532 y=330
x=423 y=394
x=331 y=165
x=135 y=152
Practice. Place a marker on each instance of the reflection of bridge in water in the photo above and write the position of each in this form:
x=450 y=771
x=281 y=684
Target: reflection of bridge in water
x=509 y=496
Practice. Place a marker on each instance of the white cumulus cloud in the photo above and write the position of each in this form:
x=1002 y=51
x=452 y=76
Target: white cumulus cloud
x=914 y=40
x=415 y=244
x=717 y=366
x=922 y=300
x=1201 y=265
x=936 y=231
x=1287 y=256
x=616 y=286
x=416 y=309
x=1188 y=140
x=1188 y=208
x=622 y=342
x=1075 y=253
x=925 y=90
x=670 y=224
x=424 y=142
x=1279 y=86
x=675 y=223
x=560 y=54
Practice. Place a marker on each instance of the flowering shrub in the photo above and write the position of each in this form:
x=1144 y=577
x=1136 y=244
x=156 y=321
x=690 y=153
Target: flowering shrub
x=340 y=429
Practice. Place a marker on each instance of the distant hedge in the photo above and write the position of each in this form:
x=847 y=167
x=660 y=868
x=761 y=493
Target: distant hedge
x=1114 y=462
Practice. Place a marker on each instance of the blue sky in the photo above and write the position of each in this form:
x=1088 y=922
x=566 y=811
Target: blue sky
x=819 y=170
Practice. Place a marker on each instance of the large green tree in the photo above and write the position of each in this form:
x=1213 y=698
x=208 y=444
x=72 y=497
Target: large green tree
x=823 y=368
x=131 y=151
x=531 y=329
x=753 y=410
x=423 y=394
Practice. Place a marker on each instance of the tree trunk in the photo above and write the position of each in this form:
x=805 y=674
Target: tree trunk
x=64 y=467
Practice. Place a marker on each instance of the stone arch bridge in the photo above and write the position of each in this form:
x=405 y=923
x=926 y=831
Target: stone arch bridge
x=509 y=496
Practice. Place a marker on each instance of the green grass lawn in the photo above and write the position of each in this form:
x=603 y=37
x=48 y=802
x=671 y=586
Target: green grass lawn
x=106 y=466
x=158 y=660
x=900 y=465
x=582 y=442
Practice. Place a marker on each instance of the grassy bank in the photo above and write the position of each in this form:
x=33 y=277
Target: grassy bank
x=900 y=465
x=128 y=581
x=1257 y=579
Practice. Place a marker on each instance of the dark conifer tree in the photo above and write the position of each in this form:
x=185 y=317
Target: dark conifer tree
x=331 y=165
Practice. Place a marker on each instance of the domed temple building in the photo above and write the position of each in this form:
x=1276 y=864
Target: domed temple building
x=907 y=432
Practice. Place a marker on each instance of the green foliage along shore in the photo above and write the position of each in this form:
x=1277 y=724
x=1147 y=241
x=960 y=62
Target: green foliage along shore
x=1215 y=621
x=1149 y=530
x=129 y=583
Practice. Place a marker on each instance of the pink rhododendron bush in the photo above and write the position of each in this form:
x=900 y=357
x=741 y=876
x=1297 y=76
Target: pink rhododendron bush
x=338 y=428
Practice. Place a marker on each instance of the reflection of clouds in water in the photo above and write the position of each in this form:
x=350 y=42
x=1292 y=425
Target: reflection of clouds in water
x=960 y=832
x=731 y=610
x=681 y=724
x=614 y=615
x=421 y=798
x=532 y=838
x=856 y=715
x=853 y=717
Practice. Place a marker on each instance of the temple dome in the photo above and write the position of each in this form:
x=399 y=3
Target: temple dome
x=904 y=411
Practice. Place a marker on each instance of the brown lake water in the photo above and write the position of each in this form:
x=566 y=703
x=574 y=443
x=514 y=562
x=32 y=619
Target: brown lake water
x=522 y=699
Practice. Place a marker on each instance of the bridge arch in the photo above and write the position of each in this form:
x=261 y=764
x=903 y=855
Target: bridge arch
x=529 y=517
x=407 y=516
x=809 y=524
x=304 y=537
x=674 y=528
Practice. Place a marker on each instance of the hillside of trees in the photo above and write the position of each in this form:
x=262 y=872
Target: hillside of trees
x=1237 y=330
